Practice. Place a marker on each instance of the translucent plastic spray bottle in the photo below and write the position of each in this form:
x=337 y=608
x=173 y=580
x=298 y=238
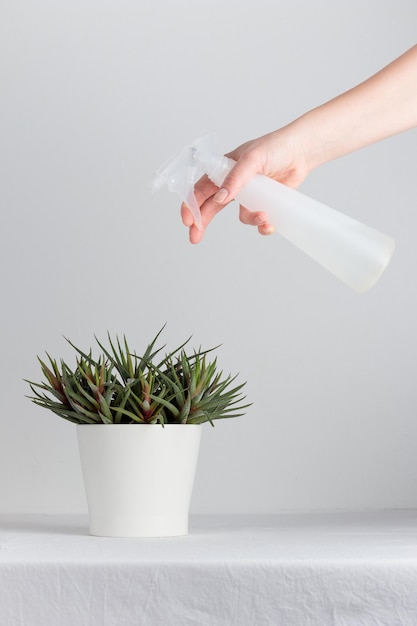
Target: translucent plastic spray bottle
x=357 y=254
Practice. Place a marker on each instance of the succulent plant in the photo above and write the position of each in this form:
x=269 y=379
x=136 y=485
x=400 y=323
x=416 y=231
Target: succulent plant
x=120 y=387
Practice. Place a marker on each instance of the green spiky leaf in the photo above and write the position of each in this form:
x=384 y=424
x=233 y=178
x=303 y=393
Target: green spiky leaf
x=121 y=386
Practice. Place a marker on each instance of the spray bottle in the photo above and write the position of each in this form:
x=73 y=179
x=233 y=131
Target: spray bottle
x=357 y=254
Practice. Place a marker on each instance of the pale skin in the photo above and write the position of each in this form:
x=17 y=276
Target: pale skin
x=383 y=105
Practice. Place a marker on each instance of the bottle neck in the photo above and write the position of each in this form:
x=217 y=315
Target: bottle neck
x=216 y=166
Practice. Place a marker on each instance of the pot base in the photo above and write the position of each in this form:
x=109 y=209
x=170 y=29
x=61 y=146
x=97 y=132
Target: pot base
x=149 y=527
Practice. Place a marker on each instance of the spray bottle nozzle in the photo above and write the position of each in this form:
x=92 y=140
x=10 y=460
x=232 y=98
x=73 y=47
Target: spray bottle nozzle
x=181 y=172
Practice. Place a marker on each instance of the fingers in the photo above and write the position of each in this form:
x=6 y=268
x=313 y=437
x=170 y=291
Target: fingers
x=195 y=234
x=211 y=208
x=203 y=191
x=266 y=229
x=245 y=169
x=207 y=210
x=256 y=218
x=212 y=200
x=186 y=216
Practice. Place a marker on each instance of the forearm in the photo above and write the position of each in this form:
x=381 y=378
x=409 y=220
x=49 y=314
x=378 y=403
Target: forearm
x=383 y=105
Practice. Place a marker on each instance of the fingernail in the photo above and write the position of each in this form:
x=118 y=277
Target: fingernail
x=221 y=196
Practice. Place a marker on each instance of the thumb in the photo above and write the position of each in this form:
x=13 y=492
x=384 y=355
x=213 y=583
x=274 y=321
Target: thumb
x=241 y=173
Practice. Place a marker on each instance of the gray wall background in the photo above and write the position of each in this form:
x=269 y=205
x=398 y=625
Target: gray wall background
x=94 y=96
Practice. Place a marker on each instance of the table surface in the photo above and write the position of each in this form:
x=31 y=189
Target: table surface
x=315 y=568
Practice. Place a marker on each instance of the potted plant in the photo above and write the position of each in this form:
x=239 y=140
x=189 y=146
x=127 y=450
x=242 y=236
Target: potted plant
x=138 y=427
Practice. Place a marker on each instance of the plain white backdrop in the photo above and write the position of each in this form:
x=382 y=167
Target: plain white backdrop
x=95 y=95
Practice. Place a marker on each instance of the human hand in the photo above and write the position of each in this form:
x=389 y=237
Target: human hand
x=381 y=106
x=278 y=155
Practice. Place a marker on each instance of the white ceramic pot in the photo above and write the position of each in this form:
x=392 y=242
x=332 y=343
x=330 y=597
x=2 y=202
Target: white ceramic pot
x=138 y=477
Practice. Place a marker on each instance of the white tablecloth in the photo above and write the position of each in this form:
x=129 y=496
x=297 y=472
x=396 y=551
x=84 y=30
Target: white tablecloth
x=313 y=569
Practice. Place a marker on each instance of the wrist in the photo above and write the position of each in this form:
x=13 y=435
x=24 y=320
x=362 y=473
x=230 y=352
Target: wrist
x=314 y=146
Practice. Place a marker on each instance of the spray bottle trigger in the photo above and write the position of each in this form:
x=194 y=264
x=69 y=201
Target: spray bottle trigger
x=192 y=204
x=182 y=171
